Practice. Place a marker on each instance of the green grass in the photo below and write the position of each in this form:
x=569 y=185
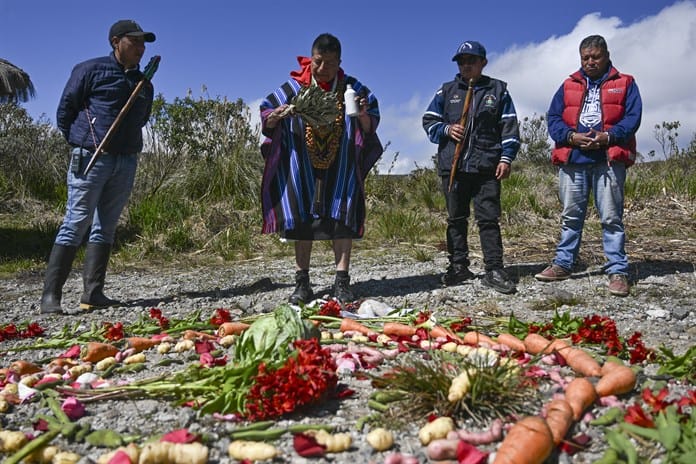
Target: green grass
x=223 y=222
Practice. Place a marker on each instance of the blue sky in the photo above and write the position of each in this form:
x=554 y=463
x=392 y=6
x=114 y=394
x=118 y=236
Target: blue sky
x=401 y=49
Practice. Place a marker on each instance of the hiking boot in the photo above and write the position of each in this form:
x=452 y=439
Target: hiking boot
x=342 y=291
x=303 y=292
x=498 y=280
x=456 y=274
x=552 y=273
x=618 y=285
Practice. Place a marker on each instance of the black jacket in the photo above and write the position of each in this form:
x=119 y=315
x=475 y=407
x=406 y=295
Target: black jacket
x=493 y=128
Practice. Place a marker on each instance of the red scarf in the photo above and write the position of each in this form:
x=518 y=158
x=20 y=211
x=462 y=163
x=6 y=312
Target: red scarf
x=303 y=76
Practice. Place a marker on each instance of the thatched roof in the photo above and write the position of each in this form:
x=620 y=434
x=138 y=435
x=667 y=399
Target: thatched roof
x=15 y=83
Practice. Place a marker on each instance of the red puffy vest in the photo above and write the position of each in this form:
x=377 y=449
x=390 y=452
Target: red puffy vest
x=613 y=100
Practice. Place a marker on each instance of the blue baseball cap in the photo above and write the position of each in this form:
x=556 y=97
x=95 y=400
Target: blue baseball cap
x=470 y=47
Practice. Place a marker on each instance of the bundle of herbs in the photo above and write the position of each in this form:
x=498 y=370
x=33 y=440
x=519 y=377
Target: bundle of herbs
x=315 y=106
x=474 y=386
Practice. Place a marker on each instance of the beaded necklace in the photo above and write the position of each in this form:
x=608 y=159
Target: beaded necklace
x=323 y=142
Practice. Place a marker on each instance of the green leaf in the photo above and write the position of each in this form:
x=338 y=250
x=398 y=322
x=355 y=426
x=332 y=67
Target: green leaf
x=104 y=438
x=623 y=445
x=645 y=432
x=517 y=327
x=668 y=427
x=683 y=367
x=609 y=417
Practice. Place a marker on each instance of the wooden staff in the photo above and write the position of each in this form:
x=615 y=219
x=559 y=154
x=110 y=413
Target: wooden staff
x=147 y=75
x=462 y=122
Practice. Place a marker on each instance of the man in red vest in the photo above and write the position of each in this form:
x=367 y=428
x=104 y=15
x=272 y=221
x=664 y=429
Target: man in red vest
x=593 y=119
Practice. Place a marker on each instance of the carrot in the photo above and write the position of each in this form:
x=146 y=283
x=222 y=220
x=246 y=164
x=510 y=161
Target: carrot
x=96 y=351
x=22 y=368
x=351 y=325
x=529 y=441
x=536 y=344
x=232 y=328
x=580 y=361
x=512 y=342
x=195 y=335
x=438 y=331
x=141 y=343
x=476 y=338
x=616 y=379
x=559 y=418
x=397 y=329
x=580 y=394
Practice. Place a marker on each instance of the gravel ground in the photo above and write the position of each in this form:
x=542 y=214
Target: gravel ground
x=661 y=307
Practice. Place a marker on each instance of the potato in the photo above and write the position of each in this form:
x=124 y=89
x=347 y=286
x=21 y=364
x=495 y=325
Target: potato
x=380 y=439
x=11 y=441
x=439 y=428
x=251 y=450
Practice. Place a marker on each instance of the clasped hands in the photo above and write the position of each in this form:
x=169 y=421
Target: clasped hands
x=590 y=140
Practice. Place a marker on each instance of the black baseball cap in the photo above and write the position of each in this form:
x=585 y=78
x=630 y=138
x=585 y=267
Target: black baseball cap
x=131 y=28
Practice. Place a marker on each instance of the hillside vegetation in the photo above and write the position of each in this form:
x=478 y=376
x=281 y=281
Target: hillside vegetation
x=196 y=198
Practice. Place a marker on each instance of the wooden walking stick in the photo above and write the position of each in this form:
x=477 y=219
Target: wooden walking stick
x=463 y=121
x=147 y=76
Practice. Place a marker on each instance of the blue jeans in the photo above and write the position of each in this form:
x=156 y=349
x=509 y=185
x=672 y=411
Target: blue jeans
x=607 y=184
x=95 y=201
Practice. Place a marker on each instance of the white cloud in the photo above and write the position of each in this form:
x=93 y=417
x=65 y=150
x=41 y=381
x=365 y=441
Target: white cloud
x=659 y=51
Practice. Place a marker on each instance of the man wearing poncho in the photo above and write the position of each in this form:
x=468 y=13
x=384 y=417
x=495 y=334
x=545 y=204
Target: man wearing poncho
x=313 y=182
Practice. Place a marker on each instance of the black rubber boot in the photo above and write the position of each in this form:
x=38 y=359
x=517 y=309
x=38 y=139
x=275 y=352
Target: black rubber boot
x=57 y=271
x=93 y=275
x=303 y=291
x=342 y=291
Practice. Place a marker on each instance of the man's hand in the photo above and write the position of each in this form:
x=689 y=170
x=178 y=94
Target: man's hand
x=502 y=171
x=456 y=132
x=276 y=115
x=590 y=140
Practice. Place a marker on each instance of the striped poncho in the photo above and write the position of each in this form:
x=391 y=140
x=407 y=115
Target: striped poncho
x=288 y=187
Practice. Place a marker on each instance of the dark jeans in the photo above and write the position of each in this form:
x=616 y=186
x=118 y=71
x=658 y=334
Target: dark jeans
x=484 y=190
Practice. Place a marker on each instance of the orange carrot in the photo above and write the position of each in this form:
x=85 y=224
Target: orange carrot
x=141 y=343
x=580 y=394
x=536 y=344
x=559 y=417
x=512 y=342
x=557 y=344
x=398 y=329
x=196 y=335
x=529 y=441
x=616 y=379
x=476 y=338
x=351 y=325
x=96 y=351
x=438 y=331
x=580 y=361
x=22 y=367
x=232 y=328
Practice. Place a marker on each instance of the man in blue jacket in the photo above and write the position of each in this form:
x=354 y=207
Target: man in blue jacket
x=490 y=141
x=93 y=97
x=593 y=119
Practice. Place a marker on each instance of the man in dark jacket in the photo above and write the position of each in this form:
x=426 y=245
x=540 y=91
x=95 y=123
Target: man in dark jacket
x=489 y=142
x=593 y=118
x=93 y=97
